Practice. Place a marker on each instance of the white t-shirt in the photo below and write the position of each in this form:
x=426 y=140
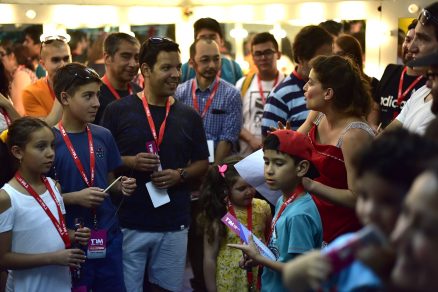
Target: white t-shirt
x=32 y=233
x=252 y=108
x=416 y=115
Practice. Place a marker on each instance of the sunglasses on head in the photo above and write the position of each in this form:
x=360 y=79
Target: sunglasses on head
x=86 y=74
x=426 y=17
x=46 y=39
x=158 y=40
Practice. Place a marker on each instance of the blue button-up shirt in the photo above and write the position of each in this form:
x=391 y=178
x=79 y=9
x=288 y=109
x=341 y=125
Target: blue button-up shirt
x=223 y=120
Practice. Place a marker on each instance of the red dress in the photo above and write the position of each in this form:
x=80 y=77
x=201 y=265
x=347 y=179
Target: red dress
x=336 y=219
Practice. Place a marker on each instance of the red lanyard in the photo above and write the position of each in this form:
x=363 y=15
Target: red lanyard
x=298 y=190
x=7 y=118
x=112 y=89
x=52 y=93
x=296 y=74
x=71 y=149
x=249 y=274
x=259 y=82
x=401 y=96
x=60 y=226
x=209 y=100
x=158 y=139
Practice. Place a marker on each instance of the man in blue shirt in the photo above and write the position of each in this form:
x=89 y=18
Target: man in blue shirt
x=286 y=102
x=209 y=28
x=217 y=101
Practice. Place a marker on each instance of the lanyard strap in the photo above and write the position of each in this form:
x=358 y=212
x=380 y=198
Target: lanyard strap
x=52 y=93
x=401 y=96
x=249 y=275
x=77 y=161
x=158 y=139
x=60 y=226
x=209 y=100
x=259 y=82
x=299 y=189
x=7 y=118
x=106 y=81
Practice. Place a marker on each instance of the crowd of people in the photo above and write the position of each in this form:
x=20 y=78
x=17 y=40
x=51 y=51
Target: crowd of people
x=119 y=181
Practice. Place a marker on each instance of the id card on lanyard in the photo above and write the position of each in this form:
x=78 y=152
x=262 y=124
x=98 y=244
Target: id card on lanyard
x=97 y=236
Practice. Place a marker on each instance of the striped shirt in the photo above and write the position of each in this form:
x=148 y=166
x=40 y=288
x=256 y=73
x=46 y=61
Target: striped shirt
x=223 y=120
x=285 y=103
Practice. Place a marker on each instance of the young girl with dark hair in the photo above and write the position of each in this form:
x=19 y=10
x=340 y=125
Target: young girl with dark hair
x=34 y=241
x=222 y=191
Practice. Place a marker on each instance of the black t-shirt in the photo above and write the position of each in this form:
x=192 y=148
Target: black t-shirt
x=388 y=92
x=184 y=141
x=106 y=97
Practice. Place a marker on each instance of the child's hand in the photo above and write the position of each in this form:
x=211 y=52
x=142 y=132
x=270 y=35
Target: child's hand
x=90 y=197
x=128 y=185
x=82 y=235
x=307 y=271
x=250 y=250
x=69 y=257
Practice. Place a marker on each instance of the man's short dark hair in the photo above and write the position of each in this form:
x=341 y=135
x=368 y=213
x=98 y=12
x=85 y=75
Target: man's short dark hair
x=113 y=40
x=264 y=37
x=153 y=46
x=34 y=32
x=207 y=23
x=76 y=37
x=333 y=27
x=396 y=156
x=413 y=24
x=308 y=40
x=70 y=76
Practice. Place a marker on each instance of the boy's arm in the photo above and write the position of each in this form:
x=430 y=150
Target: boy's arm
x=211 y=251
x=252 y=252
x=88 y=197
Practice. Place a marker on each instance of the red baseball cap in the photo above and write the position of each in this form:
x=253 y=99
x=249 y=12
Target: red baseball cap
x=295 y=144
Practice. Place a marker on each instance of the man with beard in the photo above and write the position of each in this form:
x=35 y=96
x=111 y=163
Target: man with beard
x=416 y=115
x=397 y=84
x=121 y=66
x=155 y=234
x=217 y=101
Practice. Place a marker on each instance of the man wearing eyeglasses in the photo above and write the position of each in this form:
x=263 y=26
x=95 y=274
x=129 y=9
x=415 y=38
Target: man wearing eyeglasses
x=255 y=89
x=416 y=115
x=38 y=98
x=286 y=102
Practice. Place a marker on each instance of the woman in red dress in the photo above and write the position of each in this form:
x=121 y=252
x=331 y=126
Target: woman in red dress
x=339 y=94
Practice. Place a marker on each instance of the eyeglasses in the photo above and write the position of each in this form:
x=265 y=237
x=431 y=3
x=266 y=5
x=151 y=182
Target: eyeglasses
x=267 y=53
x=426 y=17
x=158 y=40
x=85 y=74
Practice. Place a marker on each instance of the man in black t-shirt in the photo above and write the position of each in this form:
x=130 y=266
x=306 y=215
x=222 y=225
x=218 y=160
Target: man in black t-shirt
x=155 y=237
x=121 y=66
x=398 y=83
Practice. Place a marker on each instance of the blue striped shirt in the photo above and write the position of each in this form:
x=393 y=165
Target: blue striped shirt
x=285 y=103
x=223 y=120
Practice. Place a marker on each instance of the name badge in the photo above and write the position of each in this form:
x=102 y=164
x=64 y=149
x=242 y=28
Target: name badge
x=97 y=244
x=210 y=144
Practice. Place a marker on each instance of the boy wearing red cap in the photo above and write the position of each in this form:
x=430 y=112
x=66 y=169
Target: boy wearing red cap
x=296 y=227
